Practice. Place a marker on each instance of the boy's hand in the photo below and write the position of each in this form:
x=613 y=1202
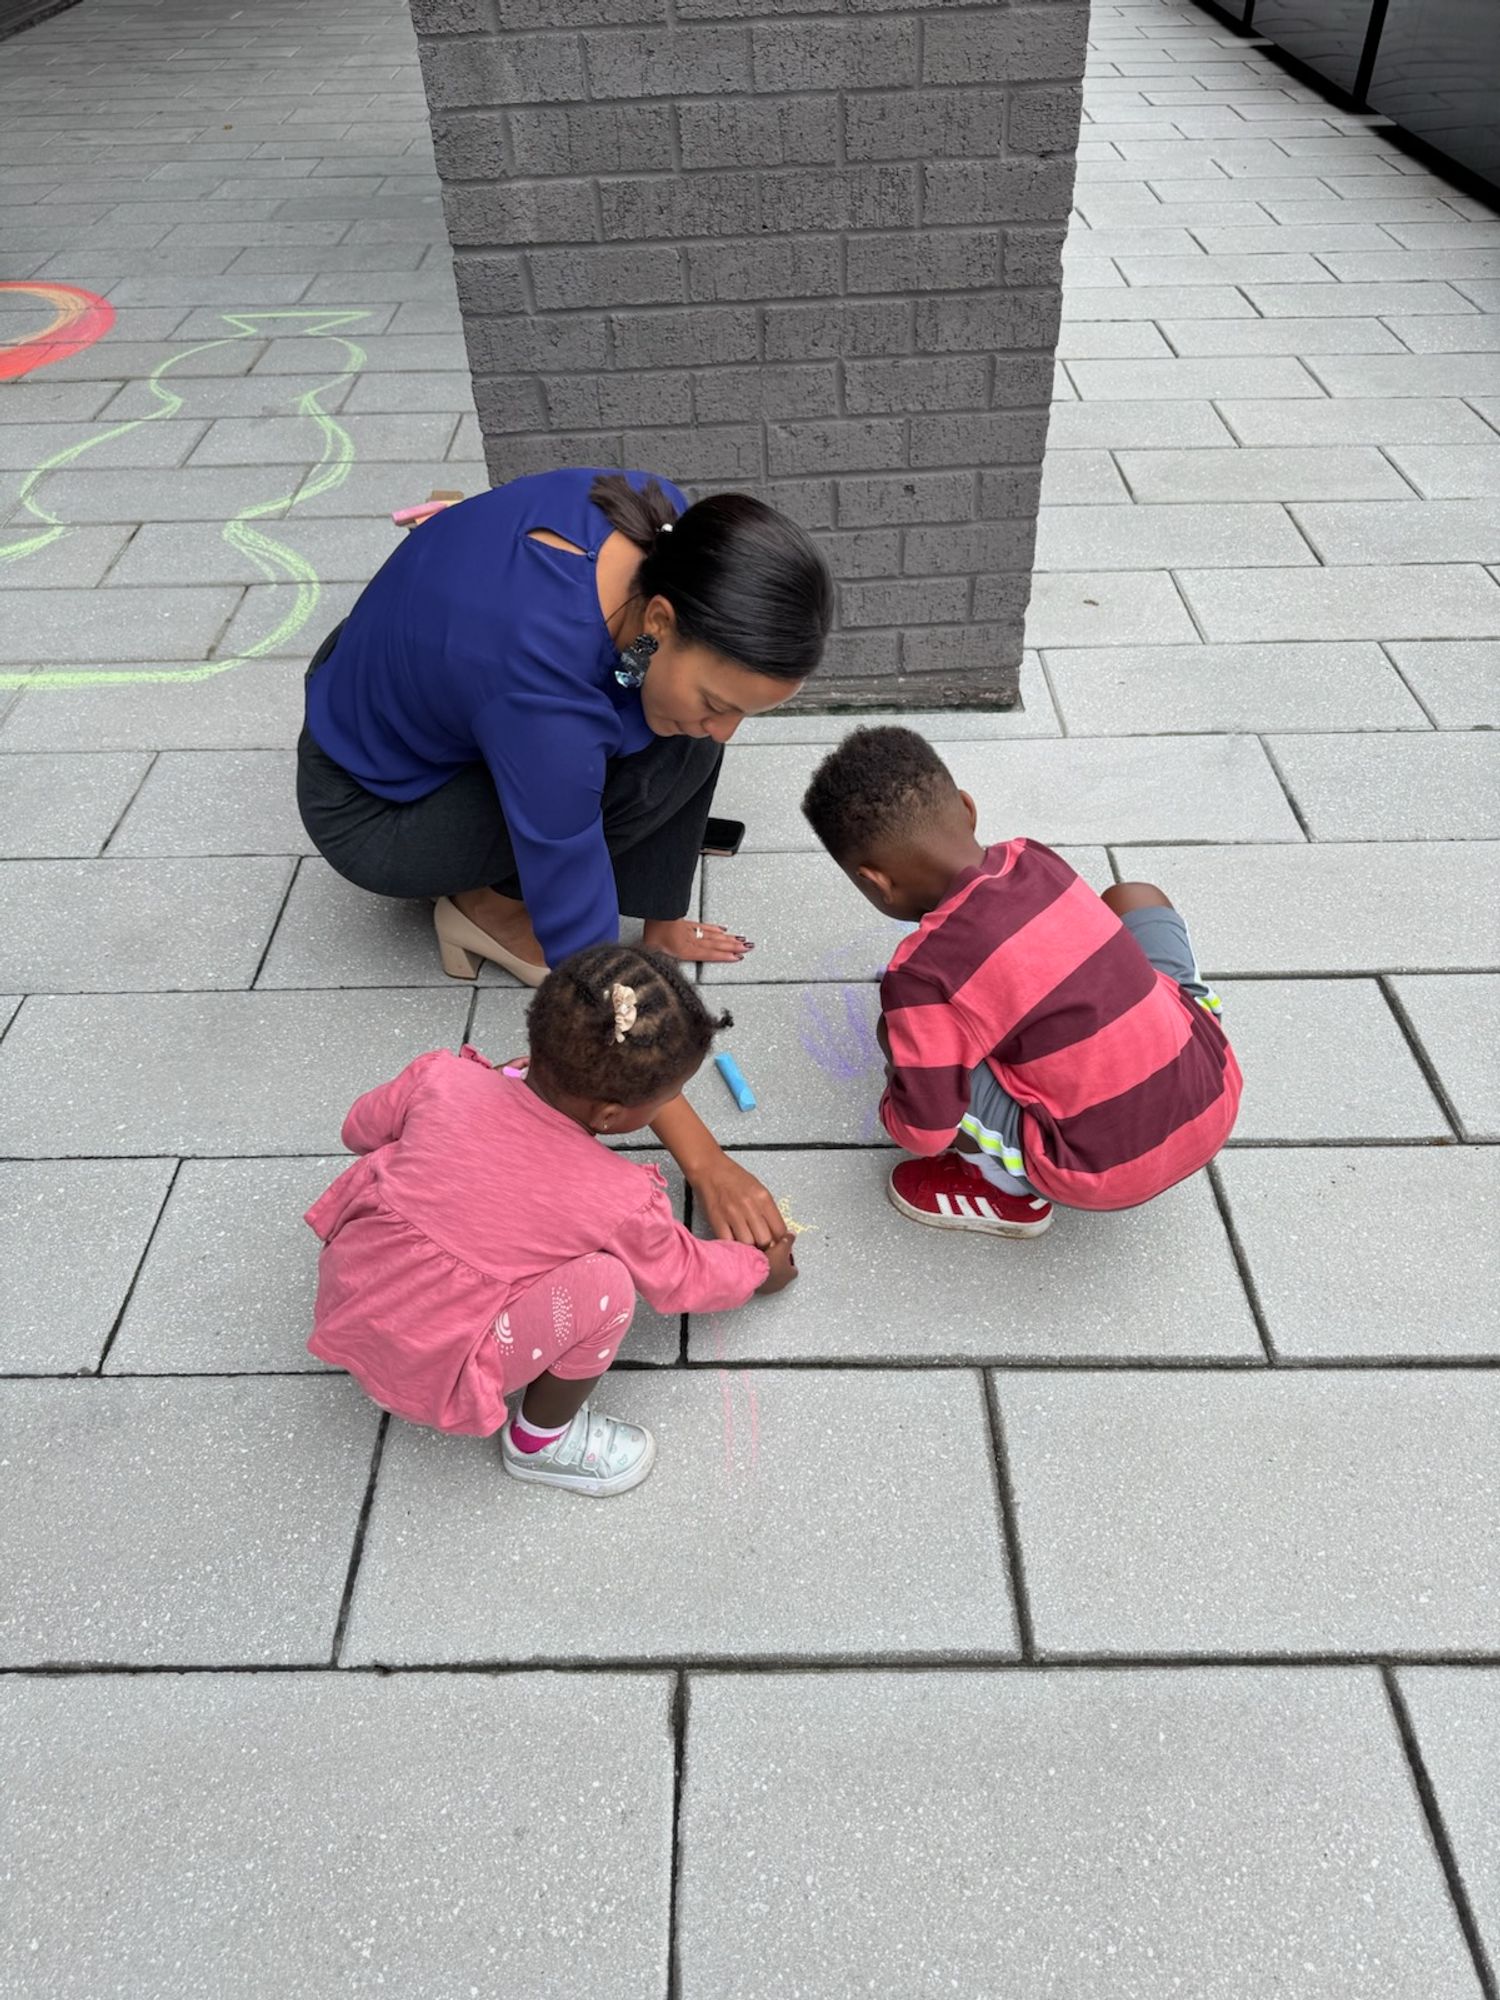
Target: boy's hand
x=783 y=1264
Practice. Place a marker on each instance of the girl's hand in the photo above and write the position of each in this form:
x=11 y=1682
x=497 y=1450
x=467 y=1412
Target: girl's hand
x=737 y=1206
x=783 y=1267
x=695 y=943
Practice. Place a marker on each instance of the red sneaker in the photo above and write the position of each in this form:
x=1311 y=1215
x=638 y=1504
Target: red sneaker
x=947 y=1193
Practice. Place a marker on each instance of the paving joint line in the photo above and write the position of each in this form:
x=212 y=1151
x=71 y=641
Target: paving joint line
x=1010 y=1528
x=357 y=1549
x=1437 y=1832
x=766 y=1664
x=1242 y=1264
x=1423 y=1060
x=135 y=1278
x=680 y=1716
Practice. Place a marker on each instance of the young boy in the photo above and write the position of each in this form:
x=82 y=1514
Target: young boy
x=1042 y=1043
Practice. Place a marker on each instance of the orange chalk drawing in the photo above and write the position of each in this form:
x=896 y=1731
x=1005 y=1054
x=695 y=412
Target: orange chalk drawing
x=79 y=318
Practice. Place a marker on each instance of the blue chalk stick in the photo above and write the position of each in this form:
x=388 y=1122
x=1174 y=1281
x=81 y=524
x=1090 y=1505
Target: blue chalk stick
x=739 y=1090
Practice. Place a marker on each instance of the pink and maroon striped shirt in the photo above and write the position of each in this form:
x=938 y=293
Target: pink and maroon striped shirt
x=1126 y=1084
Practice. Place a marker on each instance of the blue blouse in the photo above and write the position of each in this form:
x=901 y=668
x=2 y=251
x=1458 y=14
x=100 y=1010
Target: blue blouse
x=474 y=641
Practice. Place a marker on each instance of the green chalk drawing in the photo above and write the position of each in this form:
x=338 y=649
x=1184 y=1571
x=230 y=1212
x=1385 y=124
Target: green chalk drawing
x=275 y=561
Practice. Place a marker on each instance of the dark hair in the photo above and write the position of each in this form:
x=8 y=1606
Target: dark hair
x=572 y=1025
x=879 y=786
x=740 y=577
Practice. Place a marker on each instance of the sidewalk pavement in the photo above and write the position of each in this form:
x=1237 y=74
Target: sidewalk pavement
x=1110 y=1616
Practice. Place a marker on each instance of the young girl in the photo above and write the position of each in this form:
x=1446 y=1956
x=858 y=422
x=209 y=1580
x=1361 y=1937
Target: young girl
x=486 y=1242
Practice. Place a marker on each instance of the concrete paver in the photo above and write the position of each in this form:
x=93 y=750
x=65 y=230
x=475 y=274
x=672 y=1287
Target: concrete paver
x=1064 y=1832
x=59 y=806
x=1419 y=906
x=1456 y=1716
x=213 y=1525
x=1278 y=355
x=1339 y=1245
x=1325 y=1059
x=125 y=927
x=1151 y=690
x=210 y=1073
x=1269 y=1513
x=814 y=1551
x=72 y=1233
x=1454 y=1021
x=371 y=1805
x=875 y=1287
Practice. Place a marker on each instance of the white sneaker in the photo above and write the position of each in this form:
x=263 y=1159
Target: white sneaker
x=595 y=1455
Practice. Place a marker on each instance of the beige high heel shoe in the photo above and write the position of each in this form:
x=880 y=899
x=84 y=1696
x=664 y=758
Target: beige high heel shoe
x=462 y=944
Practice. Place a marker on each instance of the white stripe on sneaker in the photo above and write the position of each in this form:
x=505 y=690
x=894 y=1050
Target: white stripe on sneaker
x=984 y=1209
x=966 y=1207
x=945 y=1207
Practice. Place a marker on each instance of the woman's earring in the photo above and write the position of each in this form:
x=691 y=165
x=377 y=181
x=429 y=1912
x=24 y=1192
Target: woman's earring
x=634 y=661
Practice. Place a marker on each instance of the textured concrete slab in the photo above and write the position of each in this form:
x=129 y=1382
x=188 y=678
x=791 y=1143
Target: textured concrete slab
x=1418 y=531
x=1437 y=601
x=808 y=924
x=1455 y=1712
x=1457 y=681
x=216 y=802
x=332 y=934
x=1340 y=1245
x=1098 y=608
x=1157 y=1283
x=1421 y=787
x=1150 y=690
x=1171 y=537
x=1150 y=423
x=1287 y=472
x=1326 y=1059
x=261 y=1483
x=1034 y=717
x=340 y=552
x=1356 y=907
x=255 y=706
x=1081 y=793
x=1451 y=471
x=1351 y=420
x=154 y=1791
x=1061 y=1833
x=76 y=561
x=813 y=1552
x=1272 y=336
x=208 y=1073
x=228 y=1285
x=72 y=1233
x=1082 y=479
x=59 y=806
x=78 y=625
x=109 y=926
x=1275 y=1513
x=1454 y=1021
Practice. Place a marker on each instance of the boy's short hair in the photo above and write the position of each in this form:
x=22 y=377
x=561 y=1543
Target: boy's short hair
x=878 y=787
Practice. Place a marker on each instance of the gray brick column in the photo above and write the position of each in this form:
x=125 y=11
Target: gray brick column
x=814 y=258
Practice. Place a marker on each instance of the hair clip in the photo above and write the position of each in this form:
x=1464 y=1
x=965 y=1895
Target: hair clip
x=622 y=999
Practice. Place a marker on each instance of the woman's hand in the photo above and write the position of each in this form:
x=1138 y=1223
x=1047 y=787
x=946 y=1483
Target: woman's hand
x=699 y=944
x=737 y=1205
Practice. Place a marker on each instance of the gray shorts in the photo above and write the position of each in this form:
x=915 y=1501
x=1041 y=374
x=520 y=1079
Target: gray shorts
x=993 y=1120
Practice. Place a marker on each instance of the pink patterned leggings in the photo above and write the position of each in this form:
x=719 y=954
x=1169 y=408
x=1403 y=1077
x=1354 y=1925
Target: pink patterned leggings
x=569 y=1322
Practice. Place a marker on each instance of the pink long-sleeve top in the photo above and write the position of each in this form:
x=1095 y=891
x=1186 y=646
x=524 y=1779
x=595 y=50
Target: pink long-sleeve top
x=468 y=1190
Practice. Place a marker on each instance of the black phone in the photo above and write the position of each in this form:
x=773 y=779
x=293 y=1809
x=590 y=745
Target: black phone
x=722 y=837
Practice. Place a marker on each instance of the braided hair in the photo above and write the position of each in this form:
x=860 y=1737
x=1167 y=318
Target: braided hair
x=741 y=578
x=588 y=1041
